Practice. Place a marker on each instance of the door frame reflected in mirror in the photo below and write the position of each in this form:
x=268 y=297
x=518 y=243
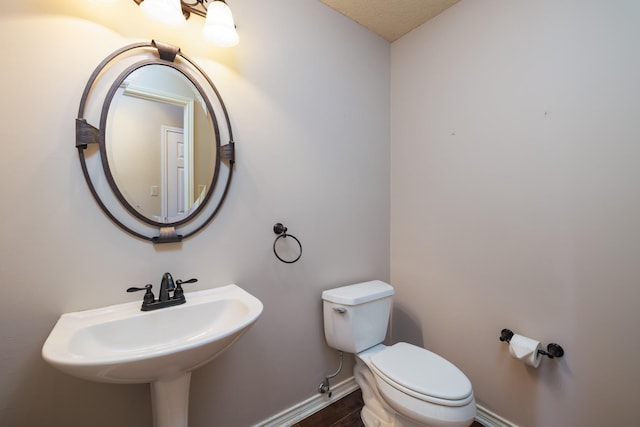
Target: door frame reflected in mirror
x=156 y=95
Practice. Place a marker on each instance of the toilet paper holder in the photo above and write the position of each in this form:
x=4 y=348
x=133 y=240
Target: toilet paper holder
x=553 y=349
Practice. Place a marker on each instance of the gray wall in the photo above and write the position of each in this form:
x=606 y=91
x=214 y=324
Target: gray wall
x=515 y=201
x=308 y=94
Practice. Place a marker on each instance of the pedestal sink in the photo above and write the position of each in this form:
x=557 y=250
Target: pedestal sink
x=121 y=344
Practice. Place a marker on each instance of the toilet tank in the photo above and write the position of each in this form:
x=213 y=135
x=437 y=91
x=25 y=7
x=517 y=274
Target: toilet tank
x=356 y=317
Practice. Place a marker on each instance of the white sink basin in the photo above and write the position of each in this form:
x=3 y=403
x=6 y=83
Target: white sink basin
x=121 y=344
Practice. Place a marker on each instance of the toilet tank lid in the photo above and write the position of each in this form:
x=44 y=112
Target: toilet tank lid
x=358 y=293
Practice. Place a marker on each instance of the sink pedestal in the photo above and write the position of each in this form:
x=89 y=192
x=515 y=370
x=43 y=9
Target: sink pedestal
x=170 y=401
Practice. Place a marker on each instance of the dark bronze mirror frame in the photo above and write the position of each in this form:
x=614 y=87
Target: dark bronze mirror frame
x=86 y=135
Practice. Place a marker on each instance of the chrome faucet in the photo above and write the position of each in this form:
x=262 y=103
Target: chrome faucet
x=165 y=299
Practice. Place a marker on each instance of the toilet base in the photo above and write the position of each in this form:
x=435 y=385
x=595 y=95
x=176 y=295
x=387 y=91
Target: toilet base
x=375 y=412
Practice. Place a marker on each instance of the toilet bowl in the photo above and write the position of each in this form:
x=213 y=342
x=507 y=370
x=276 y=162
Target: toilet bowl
x=402 y=385
x=424 y=388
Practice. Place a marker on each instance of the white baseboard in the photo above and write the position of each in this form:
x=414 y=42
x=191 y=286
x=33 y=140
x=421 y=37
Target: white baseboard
x=304 y=409
x=491 y=419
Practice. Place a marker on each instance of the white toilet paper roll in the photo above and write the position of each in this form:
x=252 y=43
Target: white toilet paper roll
x=525 y=349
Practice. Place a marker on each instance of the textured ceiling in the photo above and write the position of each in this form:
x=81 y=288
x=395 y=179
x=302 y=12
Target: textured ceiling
x=391 y=19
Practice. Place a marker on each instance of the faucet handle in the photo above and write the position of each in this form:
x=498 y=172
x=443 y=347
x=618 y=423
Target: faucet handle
x=180 y=282
x=148 y=295
x=179 y=293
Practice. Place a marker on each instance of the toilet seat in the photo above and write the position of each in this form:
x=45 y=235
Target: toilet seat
x=422 y=374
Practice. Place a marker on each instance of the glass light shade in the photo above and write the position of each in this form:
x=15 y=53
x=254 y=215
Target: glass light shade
x=166 y=11
x=219 y=27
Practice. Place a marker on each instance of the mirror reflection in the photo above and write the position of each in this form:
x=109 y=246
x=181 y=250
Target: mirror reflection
x=160 y=143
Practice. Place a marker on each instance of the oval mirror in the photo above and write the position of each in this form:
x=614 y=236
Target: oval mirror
x=160 y=143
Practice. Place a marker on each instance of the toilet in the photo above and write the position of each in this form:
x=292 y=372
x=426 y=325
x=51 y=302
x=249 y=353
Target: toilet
x=402 y=385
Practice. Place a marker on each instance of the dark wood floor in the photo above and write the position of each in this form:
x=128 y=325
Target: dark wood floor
x=342 y=413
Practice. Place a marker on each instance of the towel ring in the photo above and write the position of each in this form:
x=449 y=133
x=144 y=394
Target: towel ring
x=281 y=231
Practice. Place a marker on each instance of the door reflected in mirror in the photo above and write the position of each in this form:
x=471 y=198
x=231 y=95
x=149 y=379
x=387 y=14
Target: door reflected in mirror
x=160 y=143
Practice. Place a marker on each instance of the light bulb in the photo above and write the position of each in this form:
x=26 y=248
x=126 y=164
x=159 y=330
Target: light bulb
x=166 y=11
x=219 y=27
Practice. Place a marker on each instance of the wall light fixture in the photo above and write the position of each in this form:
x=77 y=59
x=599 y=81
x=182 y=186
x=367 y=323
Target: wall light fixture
x=219 y=27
